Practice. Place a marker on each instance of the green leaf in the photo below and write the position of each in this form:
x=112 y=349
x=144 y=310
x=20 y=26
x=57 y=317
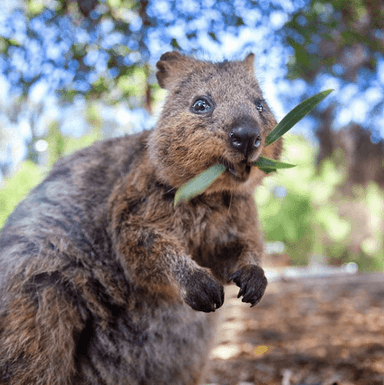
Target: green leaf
x=268 y=170
x=14 y=42
x=295 y=115
x=198 y=184
x=270 y=165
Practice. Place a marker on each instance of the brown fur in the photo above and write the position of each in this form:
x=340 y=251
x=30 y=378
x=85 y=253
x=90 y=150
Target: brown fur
x=102 y=279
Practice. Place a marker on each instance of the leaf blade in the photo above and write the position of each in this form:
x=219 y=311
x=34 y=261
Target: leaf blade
x=268 y=163
x=198 y=184
x=295 y=115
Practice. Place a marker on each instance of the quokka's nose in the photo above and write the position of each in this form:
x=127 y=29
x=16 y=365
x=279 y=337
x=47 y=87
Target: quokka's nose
x=245 y=139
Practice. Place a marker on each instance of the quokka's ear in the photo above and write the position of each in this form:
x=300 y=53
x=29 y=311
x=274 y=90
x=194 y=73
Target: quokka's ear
x=171 y=66
x=249 y=63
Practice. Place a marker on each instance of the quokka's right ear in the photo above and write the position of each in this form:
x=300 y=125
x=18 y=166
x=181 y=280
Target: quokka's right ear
x=249 y=63
x=171 y=66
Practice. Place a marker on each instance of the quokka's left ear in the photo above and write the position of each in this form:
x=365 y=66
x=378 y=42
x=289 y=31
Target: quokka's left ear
x=172 y=66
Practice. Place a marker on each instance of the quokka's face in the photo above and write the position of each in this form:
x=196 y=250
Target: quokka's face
x=215 y=113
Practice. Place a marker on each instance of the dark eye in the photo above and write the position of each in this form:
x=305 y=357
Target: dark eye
x=201 y=106
x=259 y=106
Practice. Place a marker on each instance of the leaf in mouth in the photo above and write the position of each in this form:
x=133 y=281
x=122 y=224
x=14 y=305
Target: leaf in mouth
x=268 y=165
x=198 y=184
x=201 y=182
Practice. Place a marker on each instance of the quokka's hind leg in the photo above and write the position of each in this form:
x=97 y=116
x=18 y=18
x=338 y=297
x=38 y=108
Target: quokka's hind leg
x=37 y=338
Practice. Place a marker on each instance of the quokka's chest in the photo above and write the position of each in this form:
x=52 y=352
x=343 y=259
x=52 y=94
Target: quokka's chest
x=214 y=239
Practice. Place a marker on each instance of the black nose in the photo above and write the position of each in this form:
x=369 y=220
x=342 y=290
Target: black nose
x=245 y=138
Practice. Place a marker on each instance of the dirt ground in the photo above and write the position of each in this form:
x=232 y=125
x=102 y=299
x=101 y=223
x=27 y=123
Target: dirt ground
x=308 y=331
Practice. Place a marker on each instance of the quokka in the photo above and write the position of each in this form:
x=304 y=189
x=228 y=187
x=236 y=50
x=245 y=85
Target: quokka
x=102 y=280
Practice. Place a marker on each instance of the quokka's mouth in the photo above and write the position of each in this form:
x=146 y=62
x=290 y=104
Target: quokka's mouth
x=239 y=172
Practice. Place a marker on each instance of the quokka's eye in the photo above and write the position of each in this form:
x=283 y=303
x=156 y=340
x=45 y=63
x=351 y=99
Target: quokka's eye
x=201 y=106
x=259 y=106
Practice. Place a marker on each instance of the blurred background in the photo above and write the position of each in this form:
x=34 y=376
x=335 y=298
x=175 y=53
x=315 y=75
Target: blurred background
x=76 y=71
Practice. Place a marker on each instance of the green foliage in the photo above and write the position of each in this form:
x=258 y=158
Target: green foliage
x=35 y=6
x=133 y=84
x=74 y=144
x=371 y=199
x=94 y=118
x=16 y=188
x=285 y=205
x=29 y=174
x=325 y=33
x=303 y=207
x=56 y=143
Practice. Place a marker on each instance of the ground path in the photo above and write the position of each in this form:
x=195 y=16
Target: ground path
x=311 y=331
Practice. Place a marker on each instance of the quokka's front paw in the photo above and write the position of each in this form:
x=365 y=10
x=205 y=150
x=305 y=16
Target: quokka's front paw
x=203 y=292
x=252 y=283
